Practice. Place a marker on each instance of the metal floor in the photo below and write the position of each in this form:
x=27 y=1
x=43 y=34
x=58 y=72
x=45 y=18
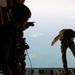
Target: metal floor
x=48 y=71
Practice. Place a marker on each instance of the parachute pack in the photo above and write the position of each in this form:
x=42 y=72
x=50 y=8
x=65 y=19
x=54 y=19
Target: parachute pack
x=66 y=34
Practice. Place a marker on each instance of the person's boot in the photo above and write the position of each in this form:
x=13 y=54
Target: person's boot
x=66 y=71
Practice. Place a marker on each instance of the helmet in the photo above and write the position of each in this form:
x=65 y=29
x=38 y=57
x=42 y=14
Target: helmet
x=20 y=11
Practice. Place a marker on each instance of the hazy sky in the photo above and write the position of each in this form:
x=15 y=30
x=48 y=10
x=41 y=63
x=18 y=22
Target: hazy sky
x=50 y=17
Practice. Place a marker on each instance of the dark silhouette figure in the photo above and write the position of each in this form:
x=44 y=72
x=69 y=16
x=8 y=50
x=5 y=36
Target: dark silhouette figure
x=12 y=43
x=66 y=37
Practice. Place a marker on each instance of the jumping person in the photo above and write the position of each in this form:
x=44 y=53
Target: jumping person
x=66 y=36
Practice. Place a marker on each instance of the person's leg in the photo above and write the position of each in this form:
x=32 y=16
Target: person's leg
x=72 y=47
x=6 y=69
x=64 y=60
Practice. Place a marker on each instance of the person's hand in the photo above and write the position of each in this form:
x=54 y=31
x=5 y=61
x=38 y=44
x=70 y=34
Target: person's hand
x=30 y=23
x=52 y=43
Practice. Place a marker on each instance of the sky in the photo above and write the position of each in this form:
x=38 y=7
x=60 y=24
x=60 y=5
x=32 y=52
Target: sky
x=50 y=16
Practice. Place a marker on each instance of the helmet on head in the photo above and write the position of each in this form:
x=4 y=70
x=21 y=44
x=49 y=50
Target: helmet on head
x=19 y=12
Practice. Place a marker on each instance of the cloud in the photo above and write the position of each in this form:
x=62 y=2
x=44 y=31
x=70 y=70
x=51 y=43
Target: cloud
x=71 y=17
x=32 y=55
x=72 y=23
x=34 y=35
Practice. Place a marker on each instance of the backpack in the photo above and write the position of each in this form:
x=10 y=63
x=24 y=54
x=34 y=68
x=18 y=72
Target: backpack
x=66 y=34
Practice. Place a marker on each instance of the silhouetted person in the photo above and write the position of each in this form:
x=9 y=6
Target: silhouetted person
x=66 y=37
x=11 y=35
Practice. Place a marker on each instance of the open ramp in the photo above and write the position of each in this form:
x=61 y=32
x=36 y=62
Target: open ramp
x=48 y=71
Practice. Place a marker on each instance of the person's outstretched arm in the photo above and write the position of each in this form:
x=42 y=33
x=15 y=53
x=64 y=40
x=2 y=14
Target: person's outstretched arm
x=55 y=40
